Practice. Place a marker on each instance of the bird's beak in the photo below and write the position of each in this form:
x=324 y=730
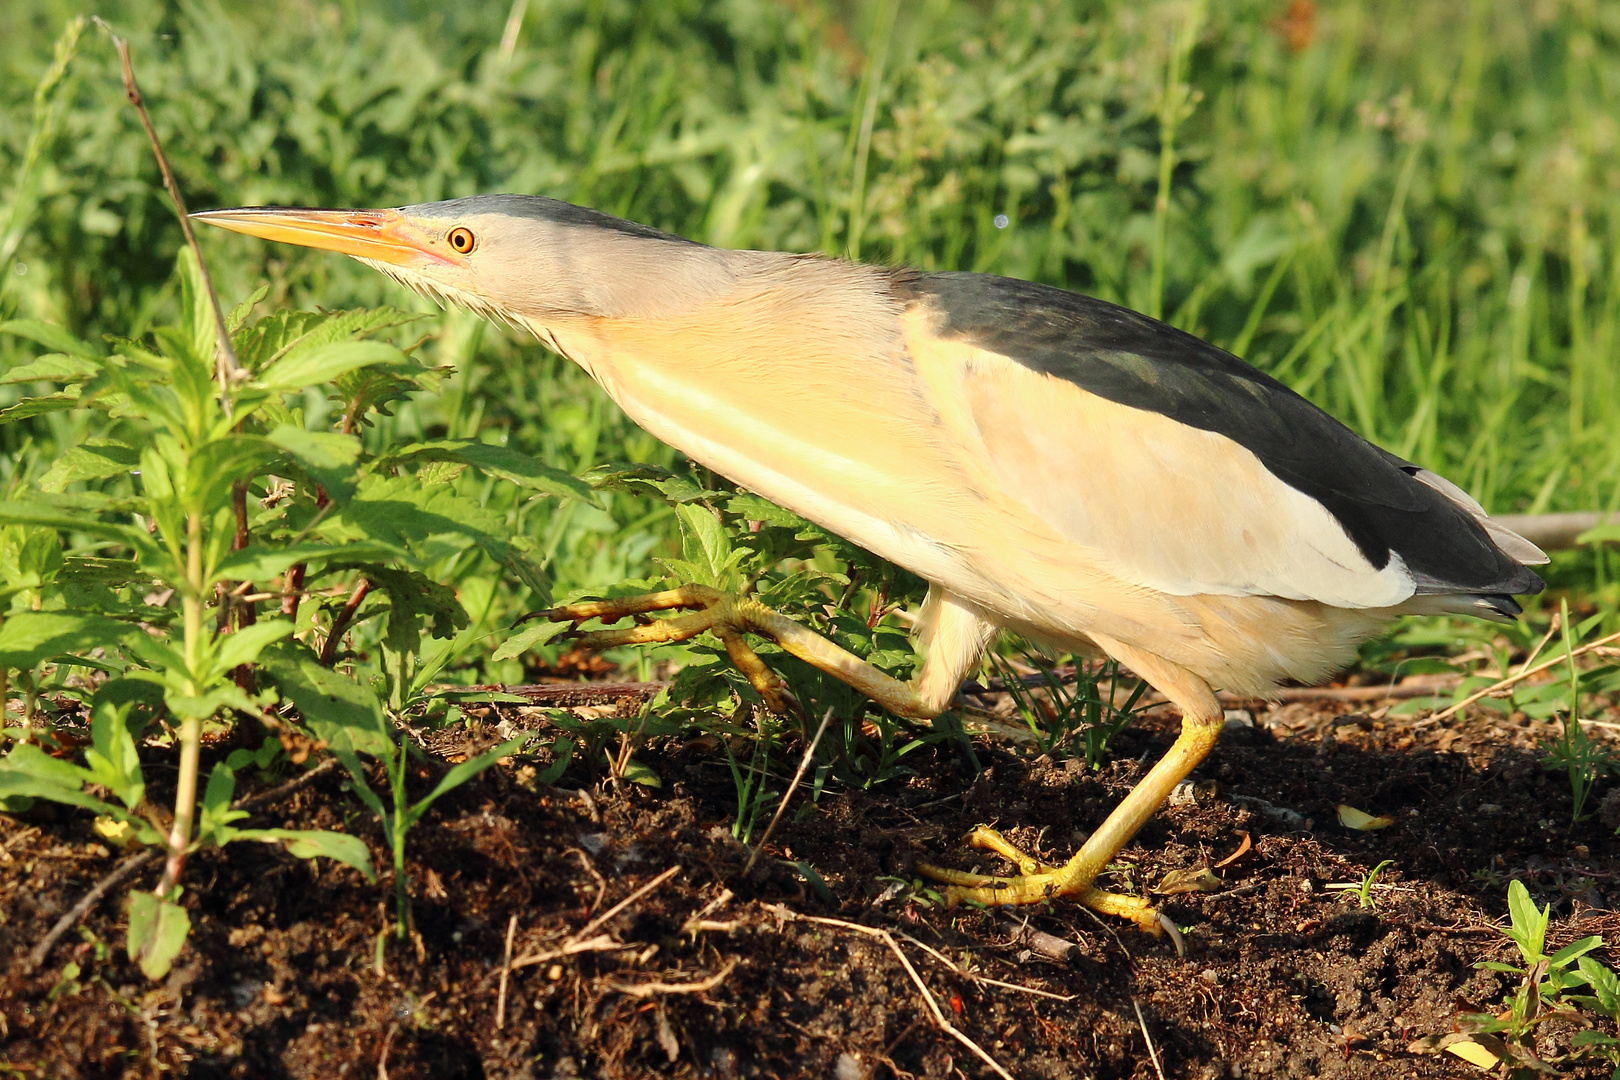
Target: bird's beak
x=383 y=235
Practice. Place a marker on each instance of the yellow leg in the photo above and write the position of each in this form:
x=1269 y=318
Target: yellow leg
x=1037 y=882
x=729 y=617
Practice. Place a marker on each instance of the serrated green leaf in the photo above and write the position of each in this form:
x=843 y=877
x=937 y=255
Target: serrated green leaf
x=304 y=368
x=343 y=712
x=283 y=333
x=498 y=461
x=644 y=479
x=39 y=406
x=754 y=508
x=94 y=459
x=709 y=557
x=31 y=637
x=51 y=336
x=157 y=932
x=238 y=314
x=1605 y=984
x=52 y=367
x=526 y=639
x=317 y=449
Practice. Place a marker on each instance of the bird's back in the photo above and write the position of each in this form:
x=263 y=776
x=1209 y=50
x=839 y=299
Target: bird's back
x=1386 y=506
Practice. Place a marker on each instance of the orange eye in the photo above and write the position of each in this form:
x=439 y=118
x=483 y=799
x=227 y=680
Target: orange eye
x=461 y=240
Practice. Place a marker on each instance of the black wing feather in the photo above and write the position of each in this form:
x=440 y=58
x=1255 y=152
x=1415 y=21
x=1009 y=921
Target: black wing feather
x=1133 y=360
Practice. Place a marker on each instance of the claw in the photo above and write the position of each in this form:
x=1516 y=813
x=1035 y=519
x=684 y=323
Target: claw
x=1035 y=883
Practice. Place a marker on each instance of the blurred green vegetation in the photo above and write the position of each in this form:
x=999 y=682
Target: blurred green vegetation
x=1408 y=211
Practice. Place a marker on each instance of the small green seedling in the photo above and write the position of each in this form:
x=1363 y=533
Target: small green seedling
x=1584 y=761
x=1364 y=892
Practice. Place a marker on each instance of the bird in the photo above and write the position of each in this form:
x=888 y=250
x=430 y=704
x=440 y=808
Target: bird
x=1051 y=464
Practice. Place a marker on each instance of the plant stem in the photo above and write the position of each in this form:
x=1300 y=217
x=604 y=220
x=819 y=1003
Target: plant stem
x=185 y=795
x=340 y=625
x=247 y=613
x=397 y=827
x=229 y=368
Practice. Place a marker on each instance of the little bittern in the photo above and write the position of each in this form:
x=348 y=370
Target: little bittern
x=1051 y=464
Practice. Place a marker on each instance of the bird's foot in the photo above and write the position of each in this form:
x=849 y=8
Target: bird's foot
x=724 y=614
x=1036 y=882
x=729 y=616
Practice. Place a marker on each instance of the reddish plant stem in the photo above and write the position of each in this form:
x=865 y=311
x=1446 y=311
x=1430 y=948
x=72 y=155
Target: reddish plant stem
x=293 y=583
x=292 y=589
x=246 y=613
x=340 y=625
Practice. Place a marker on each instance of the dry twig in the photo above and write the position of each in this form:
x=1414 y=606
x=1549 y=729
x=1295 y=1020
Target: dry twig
x=984 y=979
x=626 y=902
x=506 y=973
x=229 y=368
x=1513 y=680
x=804 y=763
x=600 y=943
x=1153 y=1055
x=916 y=980
x=654 y=989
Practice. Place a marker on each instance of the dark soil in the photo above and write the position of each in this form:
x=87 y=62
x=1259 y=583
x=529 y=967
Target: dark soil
x=713 y=972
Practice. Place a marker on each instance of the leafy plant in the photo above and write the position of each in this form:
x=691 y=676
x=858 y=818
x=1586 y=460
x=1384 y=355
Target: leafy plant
x=1544 y=980
x=1604 y=1000
x=229 y=491
x=1582 y=760
x=349 y=717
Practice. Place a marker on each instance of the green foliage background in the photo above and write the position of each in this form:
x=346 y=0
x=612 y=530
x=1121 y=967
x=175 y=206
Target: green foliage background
x=1407 y=211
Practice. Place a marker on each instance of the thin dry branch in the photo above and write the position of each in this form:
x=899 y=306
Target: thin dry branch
x=506 y=973
x=626 y=902
x=229 y=368
x=916 y=980
x=1153 y=1055
x=804 y=763
x=599 y=943
x=983 y=979
x=654 y=989
x=1514 y=680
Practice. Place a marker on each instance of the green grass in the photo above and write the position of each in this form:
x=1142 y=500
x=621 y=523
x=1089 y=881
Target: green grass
x=1408 y=212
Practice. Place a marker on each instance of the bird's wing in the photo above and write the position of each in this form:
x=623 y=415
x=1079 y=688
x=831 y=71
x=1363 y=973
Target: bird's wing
x=1181 y=468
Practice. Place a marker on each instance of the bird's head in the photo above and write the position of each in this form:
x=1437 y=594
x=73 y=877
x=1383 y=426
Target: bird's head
x=518 y=258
